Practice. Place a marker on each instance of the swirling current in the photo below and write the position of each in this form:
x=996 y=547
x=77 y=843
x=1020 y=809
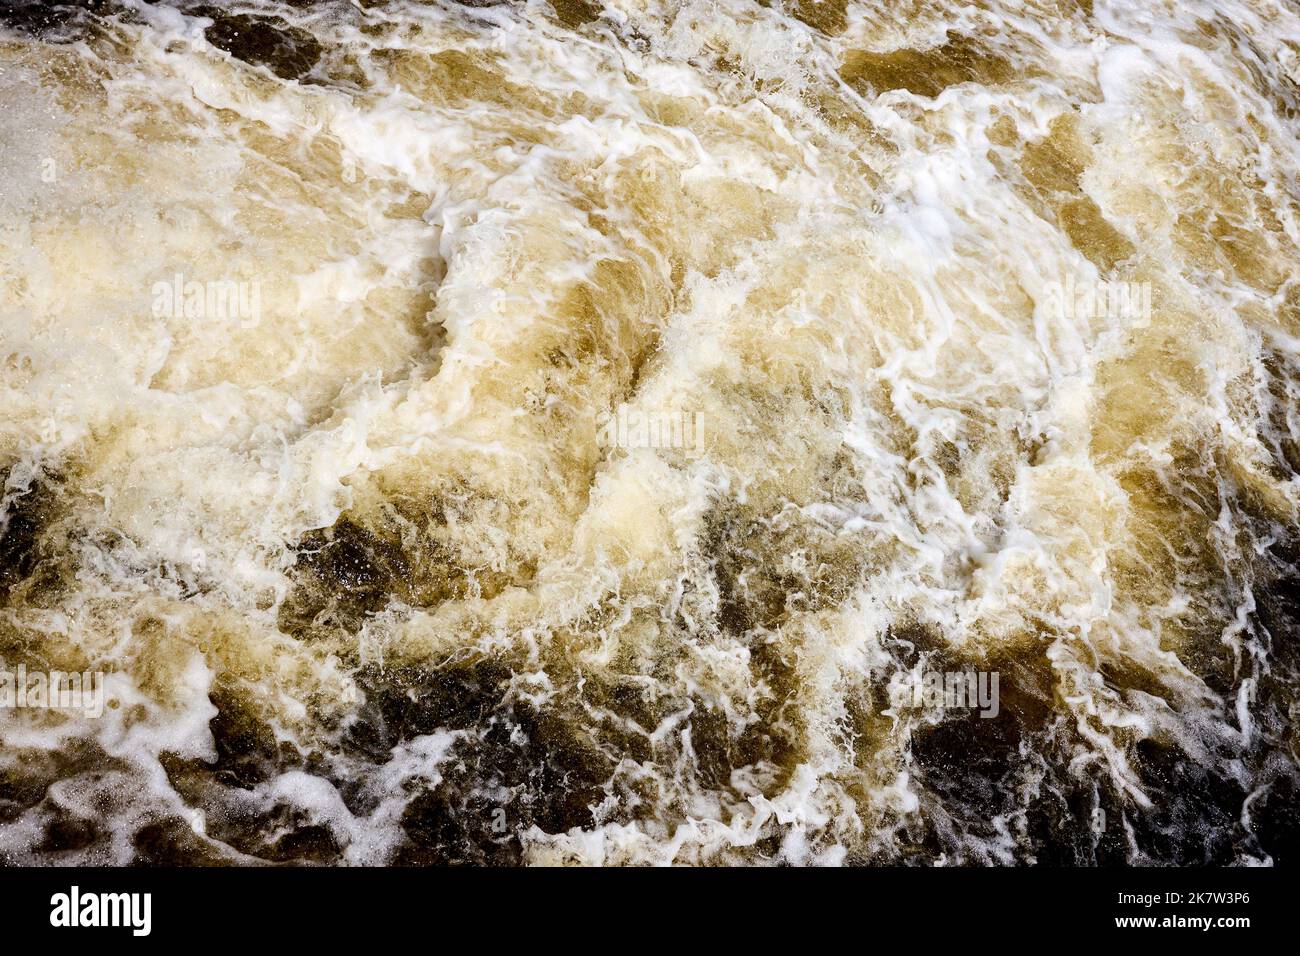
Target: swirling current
x=607 y=432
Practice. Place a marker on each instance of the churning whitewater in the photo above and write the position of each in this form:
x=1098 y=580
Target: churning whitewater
x=650 y=431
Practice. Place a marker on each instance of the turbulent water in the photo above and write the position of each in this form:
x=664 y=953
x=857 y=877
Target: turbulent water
x=388 y=553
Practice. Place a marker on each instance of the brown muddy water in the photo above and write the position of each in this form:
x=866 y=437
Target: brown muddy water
x=600 y=431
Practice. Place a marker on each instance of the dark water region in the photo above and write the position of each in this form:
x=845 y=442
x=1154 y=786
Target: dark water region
x=288 y=52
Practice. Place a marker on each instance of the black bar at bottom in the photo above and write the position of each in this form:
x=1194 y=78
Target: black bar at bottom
x=268 y=905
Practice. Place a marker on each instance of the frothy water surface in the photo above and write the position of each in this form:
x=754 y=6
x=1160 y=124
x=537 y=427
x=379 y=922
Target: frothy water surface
x=535 y=432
